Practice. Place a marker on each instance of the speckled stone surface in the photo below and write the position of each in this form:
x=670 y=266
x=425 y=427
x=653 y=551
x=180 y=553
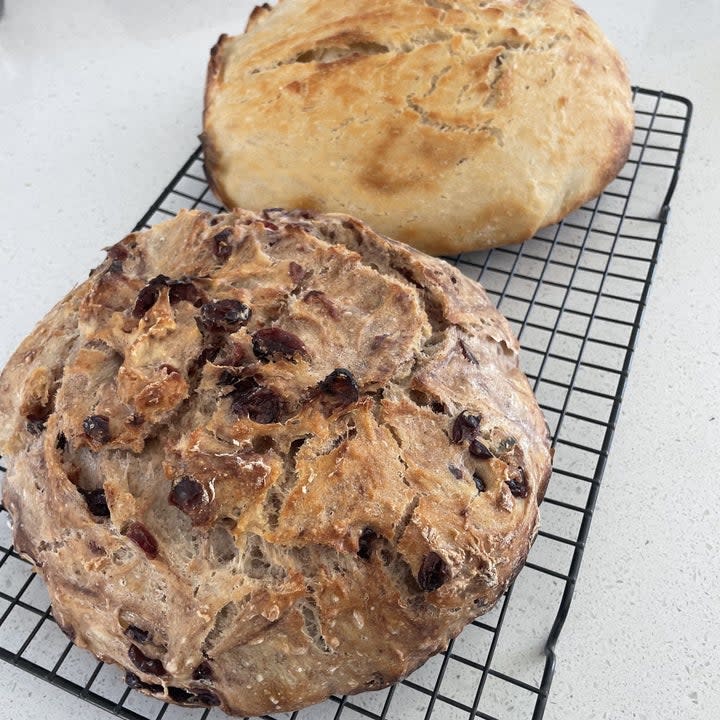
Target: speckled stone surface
x=100 y=106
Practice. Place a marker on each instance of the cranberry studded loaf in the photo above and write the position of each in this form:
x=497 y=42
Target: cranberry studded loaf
x=261 y=459
x=451 y=126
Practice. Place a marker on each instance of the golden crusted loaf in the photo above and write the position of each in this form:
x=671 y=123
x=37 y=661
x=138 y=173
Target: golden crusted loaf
x=260 y=459
x=451 y=126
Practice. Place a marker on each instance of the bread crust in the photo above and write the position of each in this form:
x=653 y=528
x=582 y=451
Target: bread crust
x=449 y=126
x=262 y=459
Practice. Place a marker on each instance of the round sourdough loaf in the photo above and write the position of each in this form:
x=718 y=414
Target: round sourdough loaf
x=451 y=126
x=262 y=459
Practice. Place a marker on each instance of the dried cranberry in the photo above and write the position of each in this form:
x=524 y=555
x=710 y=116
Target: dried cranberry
x=143 y=538
x=97 y=428
x=222 y=246
x=227 y=377
x=224 y=315
x=270 y=342
x=341 y=385
x=319 y=297
x=136 y=634
x=203 y=671
x=117 y=252
x=135 y=683
x=207 y=698
x=296 y=272
x=180 y=695
x=270 y=225
x=193 y=697
x=479 y=483
x=468 y=353
x=184 y=290
x=433 y=572
x=464 y=426
x=242 y=386
x=148 y=296
x=187 y=494
x=145 y=664
x=262 y=406
x=97 y=502
x=366 y=542
x=518 y=484
x=480 y=450
x=208 y=354
x=456 y=472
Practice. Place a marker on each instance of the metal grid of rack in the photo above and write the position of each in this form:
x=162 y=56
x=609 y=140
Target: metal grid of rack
x=575 y=295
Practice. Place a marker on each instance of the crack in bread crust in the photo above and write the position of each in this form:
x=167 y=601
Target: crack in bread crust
x=254 y=451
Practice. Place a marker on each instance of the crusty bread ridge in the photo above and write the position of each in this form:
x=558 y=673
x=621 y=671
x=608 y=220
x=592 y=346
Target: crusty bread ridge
x=261 y=459
x=451 y=126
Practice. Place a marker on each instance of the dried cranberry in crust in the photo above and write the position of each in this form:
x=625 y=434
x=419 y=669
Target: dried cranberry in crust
x=456 y=472
x=479 y=483
x=433 y=572
x=187 y=494
x=180 y=695
x=480 y=450
x=222 y=246
x=518 y=484
x=224 y=315
x=97 y=428
x=61 y=441
x=464 y=426
x=295 y=271
x=117 y=252
x=145 y=664
x=242 y=385
x=205 y=697
x=134 y=682
x=184 y=290
x=148 y=296
x=261 y=406
x=136 y=634
x=192 y=696
x=271 y=342
x=203 y=671
x=97 y=502
x=341 y=385
x=143 y=538
x=365 y=543
x=227 y=377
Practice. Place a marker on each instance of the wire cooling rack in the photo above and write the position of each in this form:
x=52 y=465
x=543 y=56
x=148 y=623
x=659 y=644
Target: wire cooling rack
x=575 y=295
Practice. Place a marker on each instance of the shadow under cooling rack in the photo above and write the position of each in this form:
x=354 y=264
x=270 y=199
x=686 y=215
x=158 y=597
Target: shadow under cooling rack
x=575 y=296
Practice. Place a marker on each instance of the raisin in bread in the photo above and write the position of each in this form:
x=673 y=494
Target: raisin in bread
x=451 y=126
x=262 y=459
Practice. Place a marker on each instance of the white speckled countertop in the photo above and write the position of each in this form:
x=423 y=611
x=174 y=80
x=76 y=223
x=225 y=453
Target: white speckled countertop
x=100 y=106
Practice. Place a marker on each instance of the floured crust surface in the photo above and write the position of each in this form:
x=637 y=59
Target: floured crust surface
x=451 y=126
x=262 y=459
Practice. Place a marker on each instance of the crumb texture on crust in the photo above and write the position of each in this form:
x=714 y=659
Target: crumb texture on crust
x=263 y=458
x=451 y=126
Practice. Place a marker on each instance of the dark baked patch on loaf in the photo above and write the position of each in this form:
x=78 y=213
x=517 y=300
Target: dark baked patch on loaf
x=248 y=436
